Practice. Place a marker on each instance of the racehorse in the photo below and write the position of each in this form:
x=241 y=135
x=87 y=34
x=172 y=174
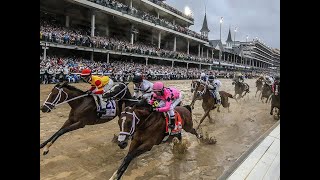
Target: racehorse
x=266 y=92
x=239 y=88
x=83 y=108
x=259 y=84
x=147 y=129
x=201 y=91
x=275 y=101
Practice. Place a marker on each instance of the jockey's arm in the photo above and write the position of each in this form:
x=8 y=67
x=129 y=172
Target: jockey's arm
x=166 y=107
x=153 y=98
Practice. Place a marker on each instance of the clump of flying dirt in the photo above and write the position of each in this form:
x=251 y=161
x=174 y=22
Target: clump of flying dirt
x=179 y=148
x=208 y=140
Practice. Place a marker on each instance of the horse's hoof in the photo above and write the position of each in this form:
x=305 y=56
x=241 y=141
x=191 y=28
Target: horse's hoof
x=45 y=152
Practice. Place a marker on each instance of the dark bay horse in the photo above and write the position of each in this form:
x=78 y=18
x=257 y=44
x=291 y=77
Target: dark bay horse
x=83 y=108
x=147 y=129
x=201 y=91
x=259 y=84
x=239 y=88
x=275 y=101
x=266 y=92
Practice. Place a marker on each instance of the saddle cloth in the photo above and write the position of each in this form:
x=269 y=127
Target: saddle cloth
x=178 y=125
x=111 y=108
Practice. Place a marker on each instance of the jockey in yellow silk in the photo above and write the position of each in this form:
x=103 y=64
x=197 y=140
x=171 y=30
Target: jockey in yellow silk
x=99 y=85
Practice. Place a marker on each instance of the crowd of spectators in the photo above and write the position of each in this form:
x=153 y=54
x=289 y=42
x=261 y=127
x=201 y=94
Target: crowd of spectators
x=118 y=6
x=56 y=69
x=170 y=8
x=51 y=31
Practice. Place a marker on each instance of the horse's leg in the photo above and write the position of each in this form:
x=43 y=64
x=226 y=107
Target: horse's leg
x=67 y=123
x=256 y=93
x=271 y=112
x=131 y=155
x=192 y=103
x=210 y=119
x=203 y=117
x=72 y=127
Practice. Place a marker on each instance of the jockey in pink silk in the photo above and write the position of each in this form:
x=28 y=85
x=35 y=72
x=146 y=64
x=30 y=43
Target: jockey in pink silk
x=169 y=99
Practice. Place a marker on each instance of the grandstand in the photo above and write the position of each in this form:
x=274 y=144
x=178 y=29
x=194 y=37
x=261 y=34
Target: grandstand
x=141 y=31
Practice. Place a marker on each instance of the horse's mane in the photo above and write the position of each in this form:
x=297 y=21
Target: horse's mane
x=66 y=85
x=143 y=103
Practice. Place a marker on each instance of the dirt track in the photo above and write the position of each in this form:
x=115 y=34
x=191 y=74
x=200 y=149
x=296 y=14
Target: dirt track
x=88 y=153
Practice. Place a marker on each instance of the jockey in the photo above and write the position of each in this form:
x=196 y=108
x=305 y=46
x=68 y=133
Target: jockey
x=204 y=77
x=143 y=86
x=276 y=83
x=240 y=77
x=99 y=85
x=214 y=86
x=269 y=80
x=170 y=98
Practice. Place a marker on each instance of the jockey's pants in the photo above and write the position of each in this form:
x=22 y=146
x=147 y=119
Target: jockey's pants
x=174 y=103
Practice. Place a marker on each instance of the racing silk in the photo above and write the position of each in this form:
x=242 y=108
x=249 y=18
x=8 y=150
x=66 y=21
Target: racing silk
x=98 y=84
x=274 y=86
x=145 y=88
x=169 y=94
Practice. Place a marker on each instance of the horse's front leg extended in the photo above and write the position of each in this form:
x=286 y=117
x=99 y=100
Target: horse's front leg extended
x=67 y=123
x=62 y=131
x=130 y=156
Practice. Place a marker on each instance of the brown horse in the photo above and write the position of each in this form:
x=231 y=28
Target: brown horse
x=239 y=88
x=266 y=92
x=275 y=101
x=147 y=128
x=201 y=91
x=259 y=84
x=83 y=108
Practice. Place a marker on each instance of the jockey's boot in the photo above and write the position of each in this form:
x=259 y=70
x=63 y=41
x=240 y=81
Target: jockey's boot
x=102 y=109
x=218 y=103
x=172 y=122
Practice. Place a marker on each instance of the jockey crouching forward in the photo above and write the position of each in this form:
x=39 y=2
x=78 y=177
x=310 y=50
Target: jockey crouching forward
x=214 y=87
x=142 y=88
x=276 y=86
x=169 y=99
x=99 y=85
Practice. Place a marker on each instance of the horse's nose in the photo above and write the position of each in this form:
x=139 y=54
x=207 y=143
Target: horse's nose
x=122 y=144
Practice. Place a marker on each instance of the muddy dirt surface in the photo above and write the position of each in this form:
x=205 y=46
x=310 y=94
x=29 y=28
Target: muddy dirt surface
x=88 y=153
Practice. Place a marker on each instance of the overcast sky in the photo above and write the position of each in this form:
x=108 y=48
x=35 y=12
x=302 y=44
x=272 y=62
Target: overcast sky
x=255 y=18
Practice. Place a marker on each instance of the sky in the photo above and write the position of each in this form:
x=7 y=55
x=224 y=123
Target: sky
x=255 y=18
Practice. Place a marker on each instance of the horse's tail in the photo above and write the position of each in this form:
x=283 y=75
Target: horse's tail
x=188 y=107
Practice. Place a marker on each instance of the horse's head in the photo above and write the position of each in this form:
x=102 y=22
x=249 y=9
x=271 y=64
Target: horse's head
x=194 y=85
x=201 y=88
x=119 y=91
x=59 y=94
x=130 y=118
